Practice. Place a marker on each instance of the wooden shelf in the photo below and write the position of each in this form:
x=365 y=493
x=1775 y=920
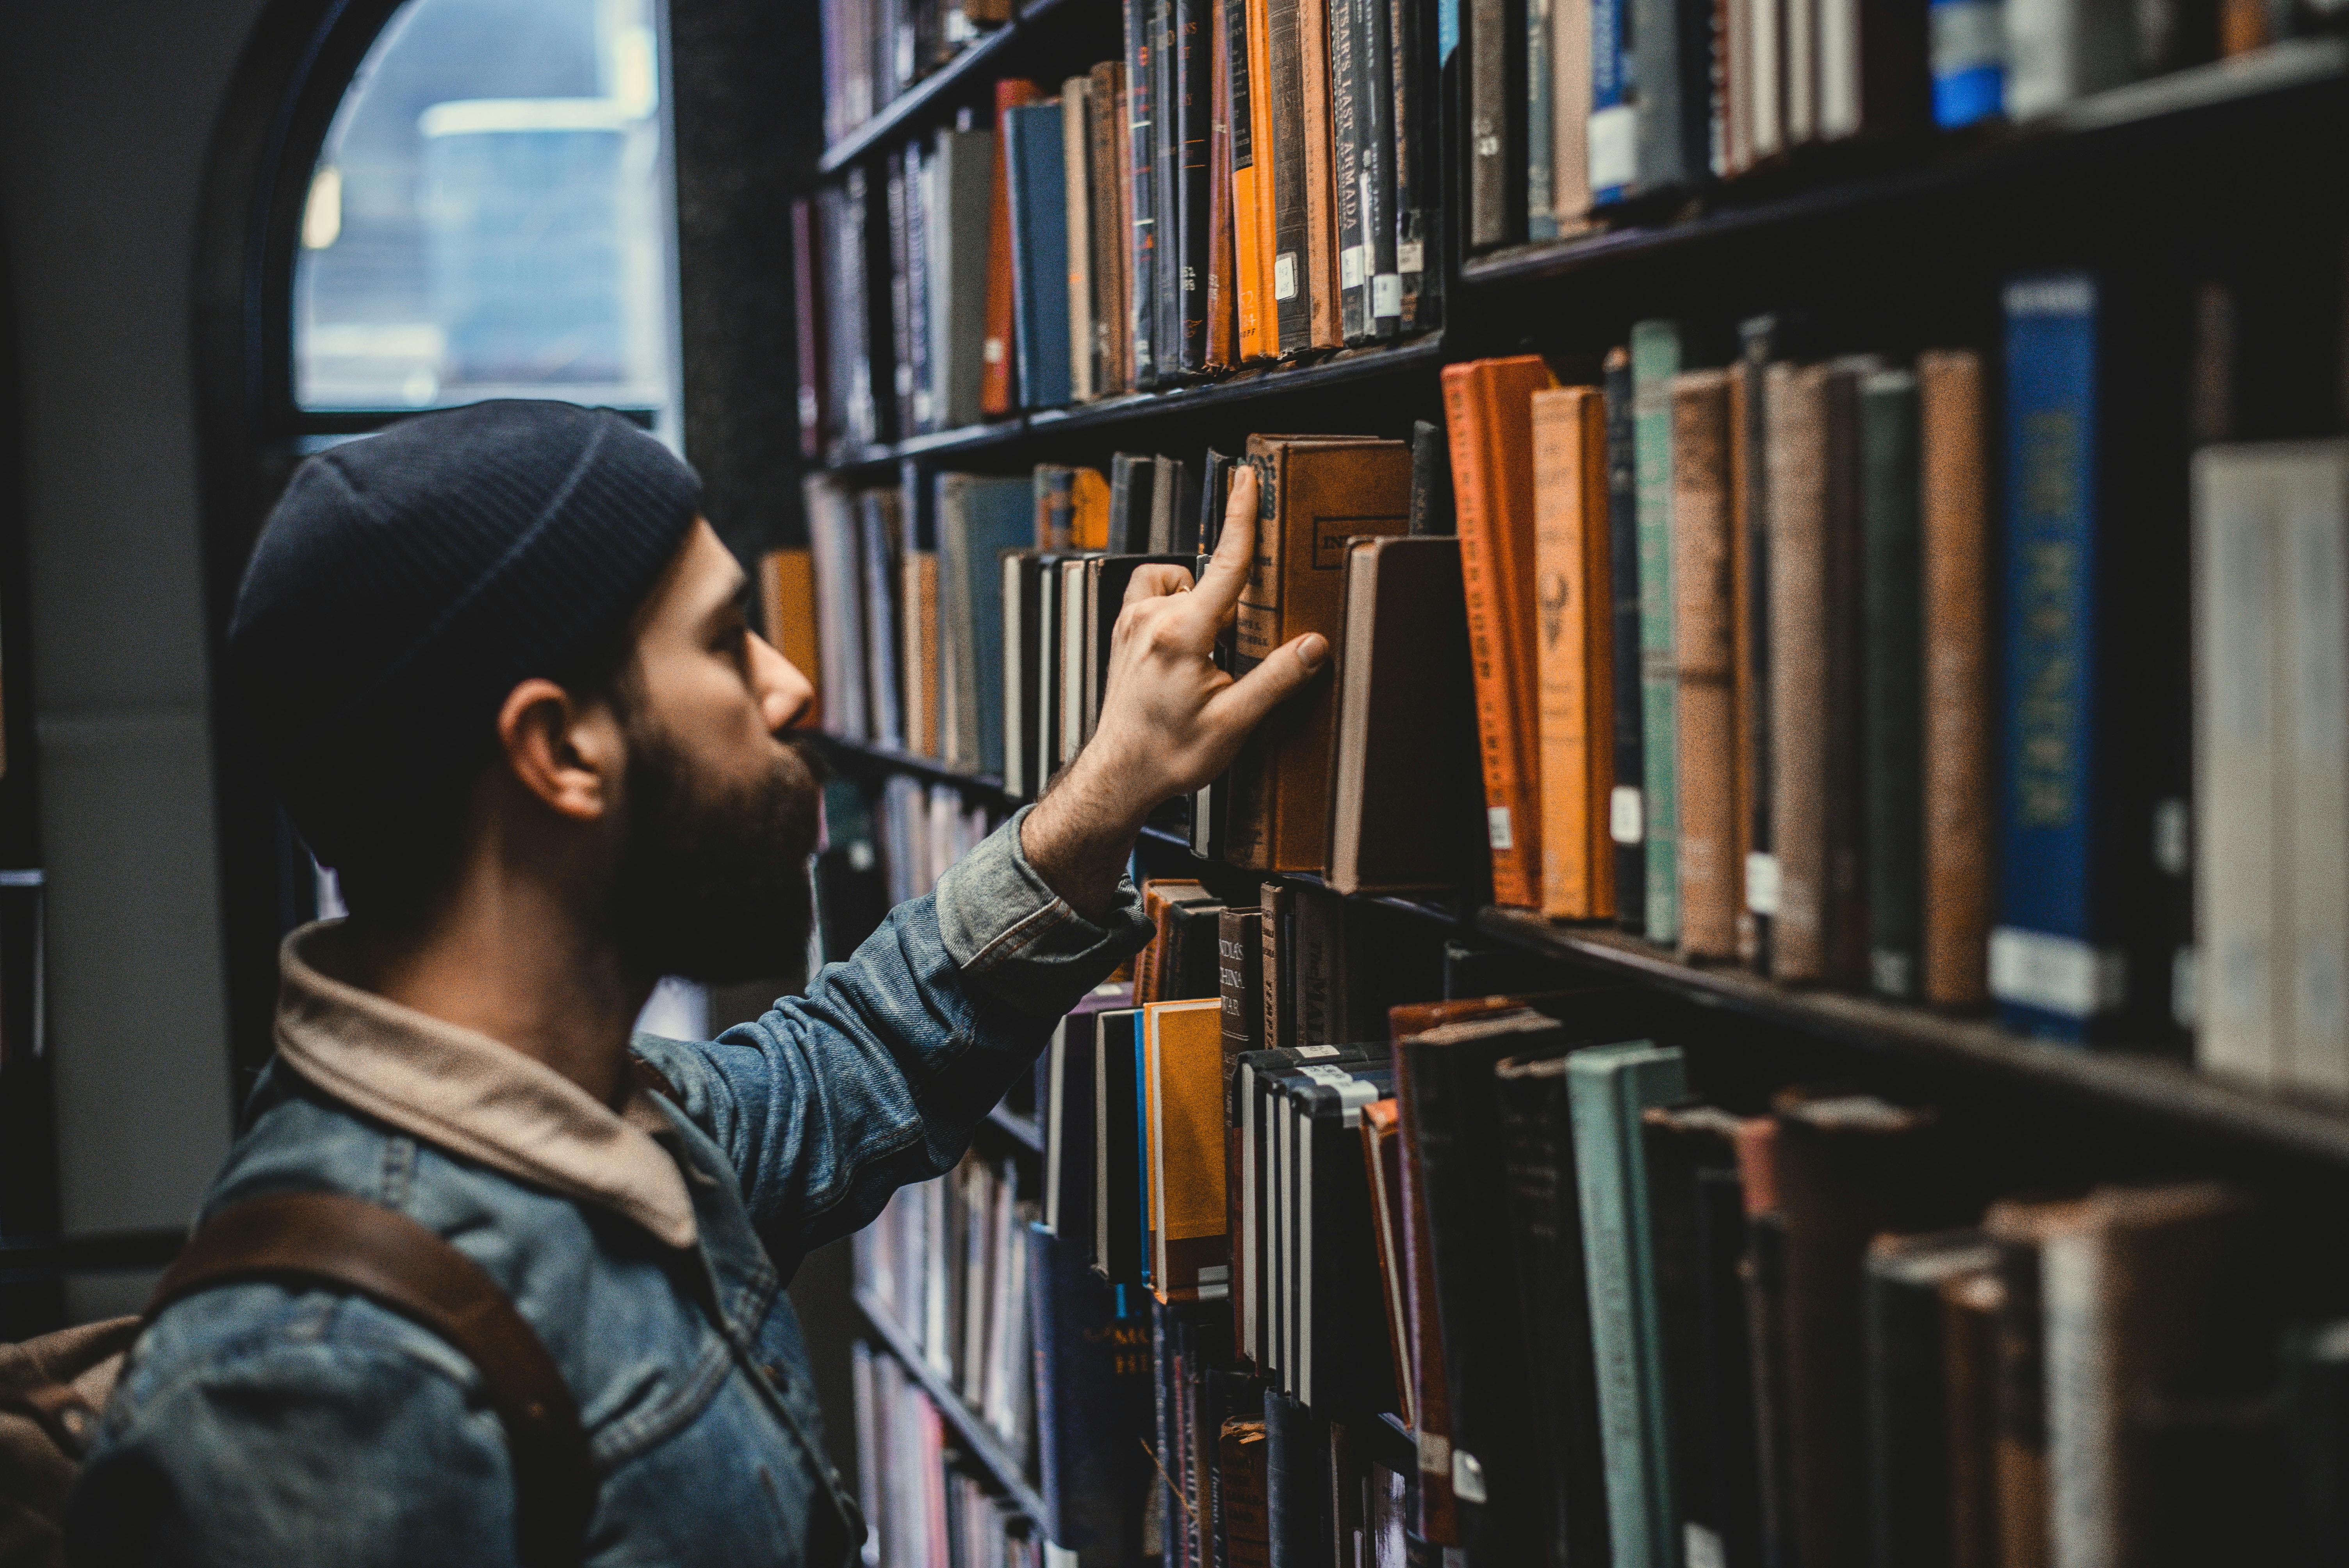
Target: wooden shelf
x=980 y=1442
x=2169 y=1093
x=931 y=100
x=2236 y=100
x=1420 y=354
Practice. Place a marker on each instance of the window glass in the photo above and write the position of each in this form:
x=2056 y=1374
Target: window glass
x=490 y=215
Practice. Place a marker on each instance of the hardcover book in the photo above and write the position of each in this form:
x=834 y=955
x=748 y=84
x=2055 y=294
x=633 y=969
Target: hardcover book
x=1575 y=664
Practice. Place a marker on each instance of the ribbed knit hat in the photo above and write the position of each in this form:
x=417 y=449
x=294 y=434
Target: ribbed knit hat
x=407 y=582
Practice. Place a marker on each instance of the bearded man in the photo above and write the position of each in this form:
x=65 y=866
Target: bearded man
x=501 y=678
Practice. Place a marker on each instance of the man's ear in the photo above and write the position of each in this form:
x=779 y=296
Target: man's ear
x=566 y=753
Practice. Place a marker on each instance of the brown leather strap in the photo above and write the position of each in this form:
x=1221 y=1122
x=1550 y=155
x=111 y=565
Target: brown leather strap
x=335 y=1239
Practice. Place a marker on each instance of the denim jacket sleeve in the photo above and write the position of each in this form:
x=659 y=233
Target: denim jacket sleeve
x=877 y=1075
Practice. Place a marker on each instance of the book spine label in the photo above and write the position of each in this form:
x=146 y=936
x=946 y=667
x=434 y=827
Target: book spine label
x=1246 y=231
x=1655 y=360
x=1704 y=562
x=1956 y=549
x=1625 y=817
x=1141 y=182
x=1892 y=715
x=2048 y=969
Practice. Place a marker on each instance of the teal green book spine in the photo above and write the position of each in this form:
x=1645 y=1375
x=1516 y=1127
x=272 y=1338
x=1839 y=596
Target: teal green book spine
x=1607 y=1088
x=1655 y=360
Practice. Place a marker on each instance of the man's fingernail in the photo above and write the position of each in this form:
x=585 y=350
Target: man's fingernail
x=1312 y=650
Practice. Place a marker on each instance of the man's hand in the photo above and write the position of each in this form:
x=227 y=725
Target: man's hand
x=1170 y=720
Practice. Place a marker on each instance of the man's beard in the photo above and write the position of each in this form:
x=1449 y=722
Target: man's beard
x=712 y=881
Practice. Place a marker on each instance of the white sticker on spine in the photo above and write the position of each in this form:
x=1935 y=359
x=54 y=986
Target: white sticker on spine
x=1284 y=275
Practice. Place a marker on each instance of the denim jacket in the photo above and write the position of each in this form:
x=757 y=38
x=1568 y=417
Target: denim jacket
x=648 y=1247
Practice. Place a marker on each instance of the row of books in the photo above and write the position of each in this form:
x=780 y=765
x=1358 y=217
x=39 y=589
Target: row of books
x=1580 y=108
x=875 y=49
x=924 y=1505
x=924 y=828
x=1250 y=182
x=946 y=1261
x=1622 y=1323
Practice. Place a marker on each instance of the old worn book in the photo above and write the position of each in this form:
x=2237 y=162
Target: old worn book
x=1223 y=281
x=1625 y=827
x=1251 y=291
x=1656 y=358
x=787 y=606
x=879 y=514
x=1496 y=101
x=1543 y=1203
x=1346 y=140
x=1191 y=1256
x=2018 y=1446
x=1328 y=969
x=998 y=381
x=1240 y=1468
x=1488 y=413
x=1287 y=133
x=1279 y=902
x=1077 y=111
x=1189 y=56
x=1404 y=781
x=920 y=634
x=1318 y=491
x=1763 y=1272
x=1672 y=66
x=1573 y=627
x=1761 y=339
x=1849 y=1167
x=1704 y=567
x=1891 y=680
x=1417 y=224
x=2160 y=1315
x=1911 y=1400
x=962 y=181
x=1954 y=527
x=1175 y=508
x=1320 y=175
x=1376 y=74
x=1109 y=228
x=1697 y=1229
x=1142 y=196
x=1970 y=1305
x=1381 y=1130
x=808 y=300
x=1240 y=996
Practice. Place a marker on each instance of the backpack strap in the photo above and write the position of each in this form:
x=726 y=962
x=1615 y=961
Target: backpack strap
x=334 y=1239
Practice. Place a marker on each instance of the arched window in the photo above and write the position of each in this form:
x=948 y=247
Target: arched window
x=489 y=216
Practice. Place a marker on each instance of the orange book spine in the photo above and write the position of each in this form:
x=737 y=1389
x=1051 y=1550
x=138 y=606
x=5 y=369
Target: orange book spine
x=1322 y=294
x=1571 y=862
x=996 y=393
x=1711 y=882
x=1959 y=741
x=1259 y=67
x=1487 y=415
x=1239 y=117
x=789 y=614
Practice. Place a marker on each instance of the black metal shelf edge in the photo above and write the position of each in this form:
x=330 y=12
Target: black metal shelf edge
x=2168 y=1091
x=1246 y=387
x=913 y=107
x=928 y=767
x=2245 y=87
x=980 y=1441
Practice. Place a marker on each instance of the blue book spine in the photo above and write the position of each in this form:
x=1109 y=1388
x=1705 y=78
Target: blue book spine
x=1091 y=1374
x=1607 y=1088
x=1968 y=60
x=1002 y=516
x=1038 y=187
x=2052 y=969
x=1614 y=139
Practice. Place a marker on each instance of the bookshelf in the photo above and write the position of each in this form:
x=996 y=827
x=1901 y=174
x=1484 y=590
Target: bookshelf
x=1883 y=245
x=1007 y=50
x=979 y=1441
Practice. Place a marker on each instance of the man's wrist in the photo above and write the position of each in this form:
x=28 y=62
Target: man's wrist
x=1079 y=838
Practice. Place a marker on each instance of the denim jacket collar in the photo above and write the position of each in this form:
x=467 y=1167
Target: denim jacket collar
x=473 y=1096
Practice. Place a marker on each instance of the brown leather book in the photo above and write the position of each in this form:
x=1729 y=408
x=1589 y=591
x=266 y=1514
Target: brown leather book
x=1488 y=415
x=1799 y=666
x=1849 y=1166
x=919 y=634
x=996 y=392
x=2019 y=1447
x=1763 y=1272
x=1959 y=742
x=786 y=605
x=1745 y=621
x=1247 y=1527
x=1223 y=295
x=1573 y=604
x=1114 y=229
x=1323 y=298
x=1318 y=492
x=1704 y=551
x=1382 y=1163
x=1970 y=1305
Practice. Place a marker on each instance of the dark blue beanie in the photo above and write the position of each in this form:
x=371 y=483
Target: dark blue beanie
x=407 y=582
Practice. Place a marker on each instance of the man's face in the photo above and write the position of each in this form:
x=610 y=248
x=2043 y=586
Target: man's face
x=719 y=813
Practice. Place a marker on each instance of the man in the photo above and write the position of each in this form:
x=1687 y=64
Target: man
x=500 y=672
